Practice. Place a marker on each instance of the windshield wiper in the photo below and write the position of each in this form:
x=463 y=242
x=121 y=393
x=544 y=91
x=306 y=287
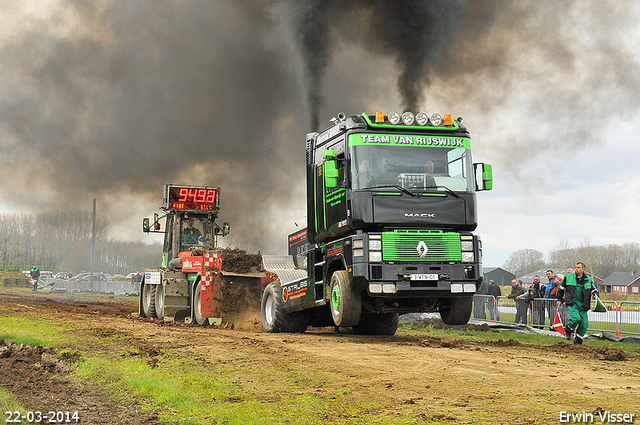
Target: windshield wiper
x=402 y=189
x=450 y=191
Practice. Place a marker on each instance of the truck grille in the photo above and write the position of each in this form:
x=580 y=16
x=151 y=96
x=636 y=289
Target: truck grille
x=407 y=245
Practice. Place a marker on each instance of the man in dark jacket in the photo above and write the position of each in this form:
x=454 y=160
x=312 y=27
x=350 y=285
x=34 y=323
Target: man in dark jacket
x=494 y=290
x=575 y=292
x=516 y=291
x=537 y=304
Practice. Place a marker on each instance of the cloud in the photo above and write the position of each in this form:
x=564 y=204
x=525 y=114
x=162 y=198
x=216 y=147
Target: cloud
x=114 y=99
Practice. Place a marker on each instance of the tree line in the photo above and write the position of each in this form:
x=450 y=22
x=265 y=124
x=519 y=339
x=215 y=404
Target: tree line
x=600 y=260
x=61 y=241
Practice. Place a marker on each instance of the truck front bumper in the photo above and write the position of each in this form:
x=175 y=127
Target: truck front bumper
x=420 y=280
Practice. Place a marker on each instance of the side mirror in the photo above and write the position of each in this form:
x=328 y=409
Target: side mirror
x=330 y=173
x=225 y=228
x=487 y=176
x=145 y=225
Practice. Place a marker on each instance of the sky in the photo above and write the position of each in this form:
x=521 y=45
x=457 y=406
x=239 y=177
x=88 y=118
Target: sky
x=112 y=100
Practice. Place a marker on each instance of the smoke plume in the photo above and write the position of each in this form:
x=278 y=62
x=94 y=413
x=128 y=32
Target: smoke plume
x=114 y=99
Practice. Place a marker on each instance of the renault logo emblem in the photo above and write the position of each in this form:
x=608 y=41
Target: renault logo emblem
x=422 y=249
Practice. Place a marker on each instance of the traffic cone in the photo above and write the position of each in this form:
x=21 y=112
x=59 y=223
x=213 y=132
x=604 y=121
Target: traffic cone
x=618 y=333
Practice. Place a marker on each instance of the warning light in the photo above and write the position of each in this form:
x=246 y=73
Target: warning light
x=379 y=117
x=448 y=120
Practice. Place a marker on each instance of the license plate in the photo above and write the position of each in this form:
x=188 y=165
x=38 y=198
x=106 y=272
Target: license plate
x=432 y=276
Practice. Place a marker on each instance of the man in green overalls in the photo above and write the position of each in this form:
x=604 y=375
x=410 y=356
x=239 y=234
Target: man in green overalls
x=576 y=292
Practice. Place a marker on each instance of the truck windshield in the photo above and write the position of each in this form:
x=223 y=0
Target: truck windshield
x=414 y=168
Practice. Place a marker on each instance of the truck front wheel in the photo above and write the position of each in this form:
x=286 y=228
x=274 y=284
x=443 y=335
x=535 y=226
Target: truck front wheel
x=275 y=319
x=345 y=302
x=148 y=296
x=457 y=311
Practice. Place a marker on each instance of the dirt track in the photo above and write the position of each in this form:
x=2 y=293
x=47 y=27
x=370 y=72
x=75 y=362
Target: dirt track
x=418 y=376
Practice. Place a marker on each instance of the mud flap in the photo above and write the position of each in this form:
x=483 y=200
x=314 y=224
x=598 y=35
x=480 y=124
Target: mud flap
x=210 y=295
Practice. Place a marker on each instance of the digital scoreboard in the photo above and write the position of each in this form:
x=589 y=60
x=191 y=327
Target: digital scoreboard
x=191 y=198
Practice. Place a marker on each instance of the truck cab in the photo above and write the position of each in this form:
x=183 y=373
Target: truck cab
x=391 y=210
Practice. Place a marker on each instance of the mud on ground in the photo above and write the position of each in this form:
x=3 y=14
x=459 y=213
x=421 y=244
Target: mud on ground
x=418 y=376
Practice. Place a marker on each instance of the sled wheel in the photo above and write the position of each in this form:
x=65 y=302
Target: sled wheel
x=149 y=300
x=345 y=303
x=456 y=311
x=378 y=324
x=159 y=301
x=197 y=306
x=275 y=319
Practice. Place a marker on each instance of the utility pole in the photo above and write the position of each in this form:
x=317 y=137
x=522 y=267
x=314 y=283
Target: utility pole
x=93 y=241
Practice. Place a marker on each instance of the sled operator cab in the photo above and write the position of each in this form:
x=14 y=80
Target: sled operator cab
x=187 y=284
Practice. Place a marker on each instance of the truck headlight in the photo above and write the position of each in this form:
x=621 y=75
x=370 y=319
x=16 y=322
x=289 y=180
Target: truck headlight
x=389 y=288
x=375 y=244
x=375 y=256
x=466 y=245
x=467 y=257
x=375 y=288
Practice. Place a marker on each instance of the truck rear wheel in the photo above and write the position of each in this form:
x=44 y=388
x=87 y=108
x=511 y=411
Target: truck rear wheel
x=378 y=324
x=159 y=301
x=275 y=319
x=197 y=307
x=345 y=302
x=148 y=296
x=457 y=311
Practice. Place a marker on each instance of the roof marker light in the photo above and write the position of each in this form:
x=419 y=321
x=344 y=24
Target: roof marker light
x=448 y=120
x=379 y=117
x=407 y=118
x=394 y=117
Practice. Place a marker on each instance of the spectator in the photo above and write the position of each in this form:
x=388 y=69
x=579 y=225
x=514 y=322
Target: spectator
x=527 y=300
x=516 y=291
x=549 y=284
x=494 y=290
x=537 y=304
x=479 y=311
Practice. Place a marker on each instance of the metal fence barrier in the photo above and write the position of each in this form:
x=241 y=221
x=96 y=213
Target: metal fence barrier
x=629 y=317
x=540 y=313
x=102 y=286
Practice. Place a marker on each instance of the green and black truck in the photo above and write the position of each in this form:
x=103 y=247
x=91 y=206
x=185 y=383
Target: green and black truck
x=391 y=210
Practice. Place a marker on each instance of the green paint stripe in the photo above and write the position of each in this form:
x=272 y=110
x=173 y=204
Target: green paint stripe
x=315 y=198
x=409 y=141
